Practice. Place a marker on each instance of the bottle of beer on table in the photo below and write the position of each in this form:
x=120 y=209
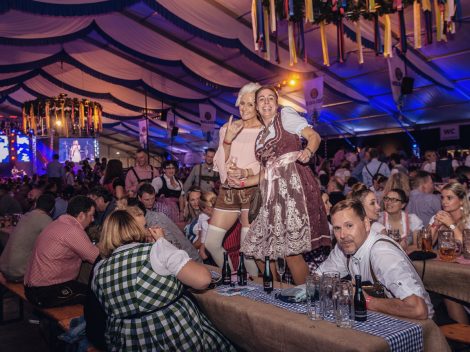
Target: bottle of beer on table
x=242 y=274
x=267 y=276
x=360 y=309
x=226 y=271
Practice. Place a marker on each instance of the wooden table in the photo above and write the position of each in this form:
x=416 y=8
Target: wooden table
x=448 y=279
x=255 y=326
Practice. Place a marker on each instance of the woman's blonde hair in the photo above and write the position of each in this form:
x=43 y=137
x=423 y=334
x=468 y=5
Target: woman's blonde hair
x=398 y=180
x=247 y=88
x=359 y=191
x=119 y=228
x=207 y=200
x=459 y=190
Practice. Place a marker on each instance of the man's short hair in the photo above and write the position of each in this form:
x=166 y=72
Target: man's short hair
x=210 y=150
x=353 y=204
x=145 y=188
x=374 y=153
x=101 y=192
x=79 y=204
x=420 y=178
x=46 y=202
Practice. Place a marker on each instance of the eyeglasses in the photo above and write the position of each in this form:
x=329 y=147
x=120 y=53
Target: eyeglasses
x=391 y=200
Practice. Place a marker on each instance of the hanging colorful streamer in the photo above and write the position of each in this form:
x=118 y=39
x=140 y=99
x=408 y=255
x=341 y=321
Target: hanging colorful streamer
x=387 y=36
x=292 y=49
x=360 y=55
x=324 y=44
x=417 y=24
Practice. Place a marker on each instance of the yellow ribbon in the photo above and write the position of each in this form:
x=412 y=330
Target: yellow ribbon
x=33 y=119
x=387 y=37
x=439 y=23
x=272 y=12
x=417 y=24
x=371 y=5
x=81 y=117
x=324 y=44
x=48 y=117
x=308 y=10
x=292 y=51
x=426 y=5
x=360 y=55
x=271 y=171
x=25 y=120
x=254 y=23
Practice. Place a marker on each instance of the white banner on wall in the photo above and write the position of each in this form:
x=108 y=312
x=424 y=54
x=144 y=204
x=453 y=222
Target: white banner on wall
x=313 y=92
x=450 y=132
x=207 y=117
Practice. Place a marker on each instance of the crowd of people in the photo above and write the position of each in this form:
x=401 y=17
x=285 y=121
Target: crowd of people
x=148 y=227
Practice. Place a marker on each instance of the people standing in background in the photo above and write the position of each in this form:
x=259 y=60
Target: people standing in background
x=203 y=175
x=113 y=179
x=141 y=173
x=170 y=194
x=423 y=202
x=373 y=168
x=429 y=164
x=55 y=171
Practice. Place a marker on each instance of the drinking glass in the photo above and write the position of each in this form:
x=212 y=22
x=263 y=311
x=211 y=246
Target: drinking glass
x=327 y=287
x=232 y=164
x=281 y=267
x=426 y=240
x=344 y=304
x=312 y=287
x=394 y=234
x=466 y=243
x=447 y=246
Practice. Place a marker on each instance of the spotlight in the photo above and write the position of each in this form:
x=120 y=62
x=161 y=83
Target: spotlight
x=58 y=123
x=292 y=82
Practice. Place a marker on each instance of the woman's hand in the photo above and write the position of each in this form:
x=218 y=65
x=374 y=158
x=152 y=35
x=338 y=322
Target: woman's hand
x=235 y=182
x=444 y=218
x=233 y=129
x=236 y=172
x=304 y=155
x=155 y=233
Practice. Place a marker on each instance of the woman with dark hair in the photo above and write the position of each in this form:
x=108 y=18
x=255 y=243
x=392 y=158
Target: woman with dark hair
x=169 y=190
x=113 y=179
x=395 y=218
x=292 y=220
x=141 y=288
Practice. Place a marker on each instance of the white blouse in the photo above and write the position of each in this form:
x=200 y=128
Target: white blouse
x=157 y=183
x=415 y=223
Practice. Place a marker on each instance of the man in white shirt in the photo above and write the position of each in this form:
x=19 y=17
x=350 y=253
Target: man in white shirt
x=389 y=264
x=374 y=167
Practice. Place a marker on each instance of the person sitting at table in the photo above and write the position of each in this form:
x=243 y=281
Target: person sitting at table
x=371 y=206
x=54 y=265
x=359 y=253
x=455 y=215
x=394 y=218
x=20 y=243
x=141 y=288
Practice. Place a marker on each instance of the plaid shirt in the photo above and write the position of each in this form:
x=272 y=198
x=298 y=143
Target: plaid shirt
x=126 y=286
x=58 y=253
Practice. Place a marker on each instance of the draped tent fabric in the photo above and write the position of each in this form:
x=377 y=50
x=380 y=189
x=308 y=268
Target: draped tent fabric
x=138 y=57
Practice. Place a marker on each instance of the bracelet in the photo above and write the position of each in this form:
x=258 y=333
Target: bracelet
x=227 y=142
x=368 y=299
x=310 y=150
x=242 y=184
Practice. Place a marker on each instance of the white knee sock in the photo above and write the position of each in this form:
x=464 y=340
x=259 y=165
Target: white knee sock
x=249 y=263
x=215 y=237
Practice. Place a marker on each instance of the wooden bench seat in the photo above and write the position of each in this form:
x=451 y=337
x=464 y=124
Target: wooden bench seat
x=457 y=332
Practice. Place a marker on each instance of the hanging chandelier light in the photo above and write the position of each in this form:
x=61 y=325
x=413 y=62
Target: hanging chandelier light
x=62 y=116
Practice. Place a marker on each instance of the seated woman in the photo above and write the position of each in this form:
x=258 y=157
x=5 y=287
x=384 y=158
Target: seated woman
x=191 y=213
x=369 y=201
x=394 y=218
x=140 y=286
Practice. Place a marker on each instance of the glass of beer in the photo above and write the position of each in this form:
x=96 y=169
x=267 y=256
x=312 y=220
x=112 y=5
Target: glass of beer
x=466 y=244
x=447 y=246
x=426 y=240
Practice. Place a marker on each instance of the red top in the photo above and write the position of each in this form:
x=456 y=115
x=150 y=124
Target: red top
x=58 y=253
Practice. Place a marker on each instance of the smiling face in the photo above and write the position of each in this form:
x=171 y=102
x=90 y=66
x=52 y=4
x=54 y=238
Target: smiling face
x=393 y=203
x=371 y=206
x=247 y=106
x=193 y=199
x=450 y=201
x=350 y=231
x=170 y=170
x=266 y=103
x=141 y=159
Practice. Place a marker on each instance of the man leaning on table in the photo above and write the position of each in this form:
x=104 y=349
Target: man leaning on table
x=391 y=266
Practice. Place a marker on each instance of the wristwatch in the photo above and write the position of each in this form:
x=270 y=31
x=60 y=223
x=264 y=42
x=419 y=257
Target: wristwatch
x=452 y=227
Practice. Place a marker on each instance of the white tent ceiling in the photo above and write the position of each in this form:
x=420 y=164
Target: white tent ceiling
x=182 y=53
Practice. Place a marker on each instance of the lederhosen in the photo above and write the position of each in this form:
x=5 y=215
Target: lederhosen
x=146 y=180
x=206 y=178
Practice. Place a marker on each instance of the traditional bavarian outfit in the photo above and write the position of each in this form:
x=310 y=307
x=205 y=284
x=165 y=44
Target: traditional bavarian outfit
x=168 y=197
x=146 y=305
x=292 y=219
x=203 y=176
x=137 y=175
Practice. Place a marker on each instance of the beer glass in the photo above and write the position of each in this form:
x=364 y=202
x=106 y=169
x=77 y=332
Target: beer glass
x=466 y=244
x=312 y=286
x=344 y=304
x=327 y=286
x=447 y=246
x=426 y=240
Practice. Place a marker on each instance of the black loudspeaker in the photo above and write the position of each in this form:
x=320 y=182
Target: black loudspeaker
x=174 y=131
x=407 y=84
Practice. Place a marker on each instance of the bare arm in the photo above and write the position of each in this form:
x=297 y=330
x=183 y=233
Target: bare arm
x=413 y=307
x=313 y=142
x=195 y=275
x=231 y=132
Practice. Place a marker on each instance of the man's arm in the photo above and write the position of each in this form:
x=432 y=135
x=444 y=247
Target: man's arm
x=413 y=307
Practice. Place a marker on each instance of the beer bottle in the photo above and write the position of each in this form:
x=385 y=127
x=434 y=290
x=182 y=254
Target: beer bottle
x=226 y=272
x=267 y=276
x=360 y=310
x=241 y=272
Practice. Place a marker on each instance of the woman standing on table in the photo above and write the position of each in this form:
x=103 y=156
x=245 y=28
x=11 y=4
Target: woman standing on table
x=292 y=219
x=236 y=156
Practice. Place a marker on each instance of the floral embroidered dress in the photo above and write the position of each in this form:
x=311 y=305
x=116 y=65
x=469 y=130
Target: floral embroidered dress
x=292 y=219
